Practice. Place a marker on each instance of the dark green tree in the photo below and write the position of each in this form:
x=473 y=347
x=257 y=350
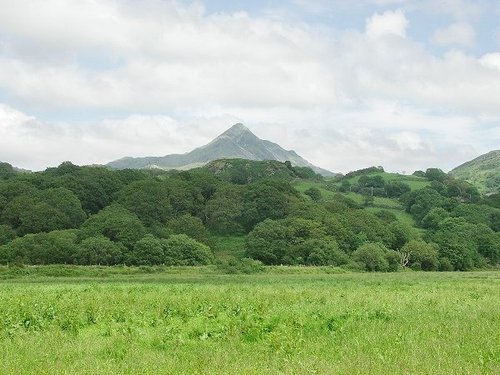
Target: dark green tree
x=372 y=257
x=116 y=223
x=314 y=193
x=99 y=250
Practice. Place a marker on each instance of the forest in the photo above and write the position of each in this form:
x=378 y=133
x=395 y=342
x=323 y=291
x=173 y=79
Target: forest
x=281 y=215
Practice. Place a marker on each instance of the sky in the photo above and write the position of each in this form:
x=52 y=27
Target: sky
x=346 y=84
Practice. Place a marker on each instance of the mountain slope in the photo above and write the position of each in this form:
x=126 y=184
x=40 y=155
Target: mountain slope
x=483 y=172
x=236 y=142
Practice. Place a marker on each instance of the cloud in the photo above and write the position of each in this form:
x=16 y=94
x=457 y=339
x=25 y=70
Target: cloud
x=387 y=23
x=178 y=76
x=491 y=60
x=378 y=138
x=461 y=34
x=27 y=142
x=156 y=55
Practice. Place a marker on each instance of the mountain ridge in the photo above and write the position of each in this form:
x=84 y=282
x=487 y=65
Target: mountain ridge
x=482 y=171
x=236 y=142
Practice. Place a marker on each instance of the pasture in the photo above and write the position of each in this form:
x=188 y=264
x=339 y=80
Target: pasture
x=286 y=320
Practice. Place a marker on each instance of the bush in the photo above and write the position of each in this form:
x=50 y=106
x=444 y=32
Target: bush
x=372 y=257
x=191 y=226
x=320 y=252
x=148 y=251
x=55 y=247
x=393 y=260
x=99 y=250
x=423 y=254
x=180 y=249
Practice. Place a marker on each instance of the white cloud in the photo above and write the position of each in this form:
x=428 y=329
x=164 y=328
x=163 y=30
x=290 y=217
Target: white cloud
x=461 y=34
x=491 y=60
x=387 y=23
x=156 y=55
x=331 y=143
x=346 y=100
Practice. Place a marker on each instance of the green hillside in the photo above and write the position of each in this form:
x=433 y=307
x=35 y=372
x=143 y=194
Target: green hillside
x=483 y=172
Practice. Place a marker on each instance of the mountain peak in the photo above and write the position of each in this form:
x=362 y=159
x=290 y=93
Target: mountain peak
x=236 y=142
x=236 y=129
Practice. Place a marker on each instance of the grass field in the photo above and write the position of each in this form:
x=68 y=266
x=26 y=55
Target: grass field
x=284 y=321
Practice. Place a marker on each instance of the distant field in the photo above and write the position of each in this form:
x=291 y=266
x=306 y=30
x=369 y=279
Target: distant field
x=297 y=320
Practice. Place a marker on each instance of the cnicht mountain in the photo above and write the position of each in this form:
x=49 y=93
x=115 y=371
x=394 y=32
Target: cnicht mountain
x=236 y=142
x=483 y=172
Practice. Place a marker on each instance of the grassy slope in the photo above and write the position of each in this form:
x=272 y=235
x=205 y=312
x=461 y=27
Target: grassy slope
x=229 y=247
x=379 y=203
x=483 y=172
x=278 y=322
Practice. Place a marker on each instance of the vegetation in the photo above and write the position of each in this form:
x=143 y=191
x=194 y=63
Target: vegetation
x=483 y=172
x=149 y=320
x=265 y=211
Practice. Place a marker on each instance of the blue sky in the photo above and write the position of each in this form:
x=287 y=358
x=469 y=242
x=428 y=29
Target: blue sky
x=347 y=84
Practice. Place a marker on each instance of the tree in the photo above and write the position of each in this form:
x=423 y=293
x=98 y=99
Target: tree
x=435 y=174
x=147 y=251
x=192 y=226
x=149 y=200
x=323 y=252
x=456 y=243
x=180 y=249
x=6 y=171
x=420 y=255
x=7 y=234
x=420 y=202
x=432 y=219
x=375 y=230
x=394 y=189
x=487 y=242
x=314 y=193
x=265 y=200
x=116 y=223
x=268 y=242
x=95 y=187
x=402 y=234
x=99 y=250
x=224 y=210
x=281 y=241
x=55 y=247
x=372 y=257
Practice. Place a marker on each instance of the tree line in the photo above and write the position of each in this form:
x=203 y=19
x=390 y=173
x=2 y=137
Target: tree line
x=92 y=215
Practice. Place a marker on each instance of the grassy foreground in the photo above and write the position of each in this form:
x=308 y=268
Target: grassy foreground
x=289 y=321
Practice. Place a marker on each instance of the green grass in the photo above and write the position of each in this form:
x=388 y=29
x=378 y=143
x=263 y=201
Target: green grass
x=285 y=321
x=303 y=185
x=400 y=214
x=229 y=247
x=413 y=181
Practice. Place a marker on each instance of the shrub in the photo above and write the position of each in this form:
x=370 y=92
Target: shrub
x=180 y=249
x=423 y=254
x=372 y=257
x=99 y=250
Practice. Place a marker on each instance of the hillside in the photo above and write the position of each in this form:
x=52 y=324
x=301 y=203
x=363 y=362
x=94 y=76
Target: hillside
x=483 y=172
x=236 y=142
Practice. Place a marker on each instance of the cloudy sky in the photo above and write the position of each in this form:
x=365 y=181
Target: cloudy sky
x=347 y=84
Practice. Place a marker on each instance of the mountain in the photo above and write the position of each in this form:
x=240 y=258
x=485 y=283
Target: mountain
x=483 y=172
x=236 y=142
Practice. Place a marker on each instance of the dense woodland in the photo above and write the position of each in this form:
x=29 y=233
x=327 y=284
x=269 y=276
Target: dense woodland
x=287 y=215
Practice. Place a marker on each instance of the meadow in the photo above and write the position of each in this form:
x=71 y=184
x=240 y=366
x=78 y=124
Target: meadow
x=285 y=320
